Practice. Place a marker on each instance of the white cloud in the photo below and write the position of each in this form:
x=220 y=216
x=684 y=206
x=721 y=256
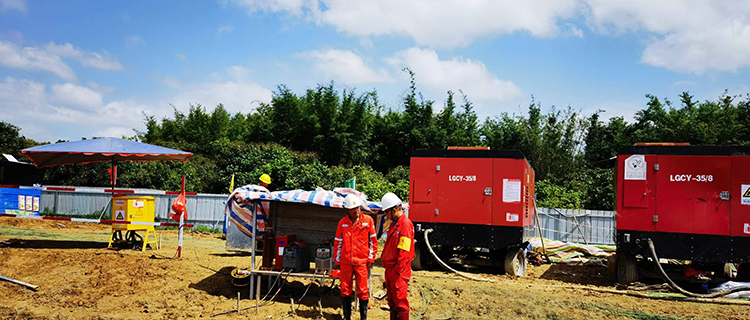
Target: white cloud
x=366 y=43
x=684 y=83
x=100 y=88
x=95 y=60
x=19 y=93
x=70 y=111
x=692 y=36
x=172 y=82
x=238 y=94
x=574 y=31
x=117 y=132
x=470 y=76
x=181 y=56
x=437 y=23
x=50 y=115
x=133 y=41
x=19 y=5
x=76 y=96
x=34 y=59
x=237 y=72
x=292 y=6
x=50 y=58
x=345 y=66
x=227 y=29
x=687 y=36
x=24 y=101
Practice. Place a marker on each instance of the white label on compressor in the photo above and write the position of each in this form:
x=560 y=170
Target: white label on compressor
x=511 y=217
x=511 y=190
x=691 y=177
x=635 y=167
x=745 y=195
x=462 y=178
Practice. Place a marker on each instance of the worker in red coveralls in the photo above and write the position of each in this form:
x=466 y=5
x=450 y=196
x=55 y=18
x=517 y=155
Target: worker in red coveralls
x=398 y=253
x=355 y=246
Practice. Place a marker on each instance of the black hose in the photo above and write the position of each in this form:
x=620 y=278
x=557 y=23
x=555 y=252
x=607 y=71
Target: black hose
x=677 y=288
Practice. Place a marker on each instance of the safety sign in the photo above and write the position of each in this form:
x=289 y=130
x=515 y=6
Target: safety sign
x=745 y=194
x=120 y=215
x=635 y=167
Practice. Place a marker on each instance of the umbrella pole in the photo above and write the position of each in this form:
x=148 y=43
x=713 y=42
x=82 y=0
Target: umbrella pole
x=111 y=183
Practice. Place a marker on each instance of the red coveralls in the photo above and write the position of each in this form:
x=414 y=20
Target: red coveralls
x=354 y=246
x=398 y=253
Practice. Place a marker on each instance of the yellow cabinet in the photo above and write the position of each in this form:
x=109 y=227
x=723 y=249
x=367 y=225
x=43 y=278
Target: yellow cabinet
x=131 y=210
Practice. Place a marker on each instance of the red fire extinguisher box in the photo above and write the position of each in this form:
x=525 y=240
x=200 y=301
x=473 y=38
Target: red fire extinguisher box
x=281 y=243
x=693 y=202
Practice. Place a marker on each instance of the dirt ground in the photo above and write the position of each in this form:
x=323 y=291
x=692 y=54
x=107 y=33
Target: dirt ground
x=79 y=278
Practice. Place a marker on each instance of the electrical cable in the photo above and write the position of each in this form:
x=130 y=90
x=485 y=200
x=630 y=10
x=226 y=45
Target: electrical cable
x=444 y=265
x=259 y=304
x=308 y=287
x=677 y=288
x=294 y=310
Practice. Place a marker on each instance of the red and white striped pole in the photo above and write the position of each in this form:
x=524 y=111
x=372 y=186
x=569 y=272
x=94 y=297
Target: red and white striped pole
x=179 y=242
x=182 y=221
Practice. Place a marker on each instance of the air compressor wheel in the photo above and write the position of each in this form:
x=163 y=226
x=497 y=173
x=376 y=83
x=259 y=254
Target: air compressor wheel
x=627 y=268
x=422 y=256
x=515 y=262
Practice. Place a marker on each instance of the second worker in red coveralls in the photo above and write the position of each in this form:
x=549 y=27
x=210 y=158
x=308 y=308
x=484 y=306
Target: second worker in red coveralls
x=398 y=252
x=355 y=246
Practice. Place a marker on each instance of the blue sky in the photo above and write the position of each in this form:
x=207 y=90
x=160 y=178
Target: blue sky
x=92 y=68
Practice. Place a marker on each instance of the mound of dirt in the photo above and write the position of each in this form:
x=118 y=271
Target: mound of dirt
x=92 y=282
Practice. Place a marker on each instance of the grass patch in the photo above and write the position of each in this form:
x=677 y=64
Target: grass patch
x=93 y=215
x=630 y=313
x=202 y=228
x=196 y=228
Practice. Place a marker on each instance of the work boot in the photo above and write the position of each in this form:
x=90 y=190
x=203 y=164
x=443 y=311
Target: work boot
x=363 y=306
x=346 y=304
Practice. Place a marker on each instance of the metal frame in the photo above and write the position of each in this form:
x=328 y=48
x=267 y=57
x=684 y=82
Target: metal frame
x=256 y=274
x=472 y=235
x=702 y=248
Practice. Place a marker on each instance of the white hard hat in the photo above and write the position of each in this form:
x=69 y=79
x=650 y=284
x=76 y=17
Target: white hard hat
x=390 y=200
x=351 y=201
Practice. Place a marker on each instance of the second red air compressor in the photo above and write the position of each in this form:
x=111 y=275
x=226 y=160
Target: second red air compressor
x=480 y=202
x=692 y=202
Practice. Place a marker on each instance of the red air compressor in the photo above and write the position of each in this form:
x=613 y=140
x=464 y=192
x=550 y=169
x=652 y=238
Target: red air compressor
x=691 y=202
x=479 y=202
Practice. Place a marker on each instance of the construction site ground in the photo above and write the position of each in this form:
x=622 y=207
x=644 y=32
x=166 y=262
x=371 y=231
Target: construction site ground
x=79 y=278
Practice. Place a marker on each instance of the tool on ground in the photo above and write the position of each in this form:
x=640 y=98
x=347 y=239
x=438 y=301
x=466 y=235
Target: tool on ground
x=18 y=282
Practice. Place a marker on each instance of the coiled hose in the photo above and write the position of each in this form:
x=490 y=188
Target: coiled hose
x=444 y=265
x=677 y=288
